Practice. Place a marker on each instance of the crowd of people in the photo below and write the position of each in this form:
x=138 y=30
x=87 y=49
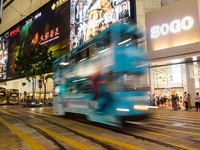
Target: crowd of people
x=176 y=101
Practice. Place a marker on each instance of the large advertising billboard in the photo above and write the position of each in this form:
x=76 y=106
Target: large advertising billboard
x=4 y=41
x=90 y=17
x=47 y=26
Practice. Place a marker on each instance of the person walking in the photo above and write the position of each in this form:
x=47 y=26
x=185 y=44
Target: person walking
x=197 y=102
x=189 y=100
x=158 y=100
x=174 y=102
x=178 y=101
x=185 y=100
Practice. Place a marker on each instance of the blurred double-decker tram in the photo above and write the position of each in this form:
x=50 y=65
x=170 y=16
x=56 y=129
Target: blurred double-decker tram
x=104 y=79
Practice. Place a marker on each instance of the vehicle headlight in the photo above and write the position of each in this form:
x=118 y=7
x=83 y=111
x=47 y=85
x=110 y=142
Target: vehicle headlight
x=40 y=103
x=32 y=103
x=141 y=107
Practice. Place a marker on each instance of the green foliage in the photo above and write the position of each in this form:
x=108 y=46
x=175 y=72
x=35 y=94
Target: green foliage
x=23 y=83
x=36 y=61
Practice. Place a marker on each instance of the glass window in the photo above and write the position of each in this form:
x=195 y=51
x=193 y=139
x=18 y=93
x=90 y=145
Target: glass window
x=131 y=82
x=78 y=86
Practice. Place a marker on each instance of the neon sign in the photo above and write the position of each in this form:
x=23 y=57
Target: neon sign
x=50 y=36
x=174 y=27
x=14 y=32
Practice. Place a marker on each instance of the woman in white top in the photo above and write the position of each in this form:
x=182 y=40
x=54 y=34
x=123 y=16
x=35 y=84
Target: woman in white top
x=197 y=102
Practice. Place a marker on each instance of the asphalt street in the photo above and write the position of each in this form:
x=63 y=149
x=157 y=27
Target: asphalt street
x=38 y=128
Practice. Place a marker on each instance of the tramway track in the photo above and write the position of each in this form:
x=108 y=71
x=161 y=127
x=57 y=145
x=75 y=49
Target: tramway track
x=41 y=132
x=118 y=130
x=102 y=144
x=172 y=126
x=173 y=120
x=180 y=118
x=148 y=130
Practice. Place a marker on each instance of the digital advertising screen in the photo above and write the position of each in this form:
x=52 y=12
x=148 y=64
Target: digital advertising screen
x=90 y=17
x=4 y=41
x=48 y=26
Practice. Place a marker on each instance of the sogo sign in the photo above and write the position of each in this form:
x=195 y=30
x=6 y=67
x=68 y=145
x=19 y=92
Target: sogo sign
x=174 y=27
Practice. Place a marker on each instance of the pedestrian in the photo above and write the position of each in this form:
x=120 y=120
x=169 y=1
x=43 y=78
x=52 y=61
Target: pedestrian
x=162 y=101
x=177 y=99
x=185 y=100
x=158 y=100
x=153 y=100
x=174 y=102
x=189 y=101
x=197 y=102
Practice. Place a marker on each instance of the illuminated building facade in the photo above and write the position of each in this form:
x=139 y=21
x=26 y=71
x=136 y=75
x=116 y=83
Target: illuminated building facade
x=173 y=44
x=61 y=25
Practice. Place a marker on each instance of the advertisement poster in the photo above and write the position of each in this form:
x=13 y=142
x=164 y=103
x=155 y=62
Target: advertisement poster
x=90 y=17
x=3 y=55
x=48 y=26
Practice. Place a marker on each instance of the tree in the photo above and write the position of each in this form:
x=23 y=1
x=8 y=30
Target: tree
x=44 y=66
x=23 y=84
x=35 y=61
x=43 y=79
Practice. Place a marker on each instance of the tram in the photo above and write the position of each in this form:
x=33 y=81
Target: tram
x=3 y=99
x=13 y=96
x=104 y=78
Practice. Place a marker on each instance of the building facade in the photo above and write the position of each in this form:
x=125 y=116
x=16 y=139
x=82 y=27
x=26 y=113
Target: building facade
x=173 y=44
x=21 y=11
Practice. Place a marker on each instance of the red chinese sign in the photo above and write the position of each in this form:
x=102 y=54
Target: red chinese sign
x=14 y=32
x=49 y=35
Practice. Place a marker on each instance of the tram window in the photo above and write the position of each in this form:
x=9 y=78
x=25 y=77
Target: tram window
x=87 y=53
x=92 y=51
x=72 y=61
x=76 y=87
x=82 y=55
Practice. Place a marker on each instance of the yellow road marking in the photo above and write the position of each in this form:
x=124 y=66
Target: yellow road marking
x=102 y=138
x=31 y=142
x=151 y=132
x=172 y=122
x=172 y=130
x=182 y=114
x=65 y=139
x=184 y=147
x=59 y=136
x=172 y=117
x=70 y=121
x=49 y=113
x=176 y=119
x=175 y=125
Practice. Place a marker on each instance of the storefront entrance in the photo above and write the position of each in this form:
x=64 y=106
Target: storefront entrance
x=175 y=77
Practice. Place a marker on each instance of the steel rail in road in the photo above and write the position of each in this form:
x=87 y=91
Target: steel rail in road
x=47 y=134
x=170 y=145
